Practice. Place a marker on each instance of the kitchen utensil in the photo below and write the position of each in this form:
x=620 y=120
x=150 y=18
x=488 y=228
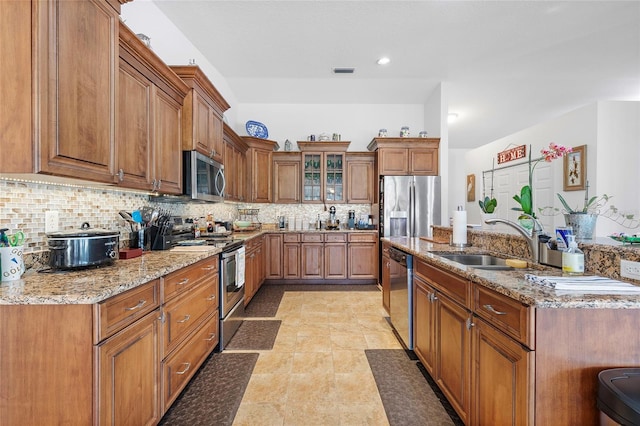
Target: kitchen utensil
x=147 y=214
x=127 y=217
x=137 y=216
x=82 y=247
x=4 y=240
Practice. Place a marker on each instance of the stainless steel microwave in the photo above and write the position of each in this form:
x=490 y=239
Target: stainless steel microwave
x=203 y=177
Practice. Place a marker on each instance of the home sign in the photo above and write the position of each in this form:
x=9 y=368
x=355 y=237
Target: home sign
x=512 y=154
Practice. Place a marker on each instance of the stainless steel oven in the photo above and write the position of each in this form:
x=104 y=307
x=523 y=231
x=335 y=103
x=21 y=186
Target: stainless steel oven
x=232 y=265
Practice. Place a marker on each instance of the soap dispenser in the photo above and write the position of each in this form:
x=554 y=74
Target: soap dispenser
x=572 y=258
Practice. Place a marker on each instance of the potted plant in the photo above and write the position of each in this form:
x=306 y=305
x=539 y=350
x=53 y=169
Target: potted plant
x=525 y=198
x=488 y=207
x=583 y=220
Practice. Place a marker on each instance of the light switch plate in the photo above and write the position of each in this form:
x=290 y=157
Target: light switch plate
x=629 y=269
x=51 y=221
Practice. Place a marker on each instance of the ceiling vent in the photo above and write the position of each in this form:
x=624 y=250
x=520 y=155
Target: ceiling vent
x=344 y=70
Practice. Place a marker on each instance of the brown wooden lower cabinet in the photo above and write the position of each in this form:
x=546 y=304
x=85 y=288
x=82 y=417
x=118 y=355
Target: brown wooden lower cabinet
x=273 y=256
x=254 y=267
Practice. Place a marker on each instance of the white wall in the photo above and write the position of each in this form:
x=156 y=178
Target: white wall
x=171 y=45
x=358 y=123
x=611 y=132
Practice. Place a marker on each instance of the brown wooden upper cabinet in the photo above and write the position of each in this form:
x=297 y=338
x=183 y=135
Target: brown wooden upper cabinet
x=259 y=169
x=406 y=156
x=286 y=177
x=235 y=165
x=149 y=141
x=202 y=123
x=59 y=87
x=360 y=177
x=323 y=171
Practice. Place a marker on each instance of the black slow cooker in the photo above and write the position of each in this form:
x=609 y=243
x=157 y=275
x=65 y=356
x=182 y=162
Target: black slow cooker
x=82 y=248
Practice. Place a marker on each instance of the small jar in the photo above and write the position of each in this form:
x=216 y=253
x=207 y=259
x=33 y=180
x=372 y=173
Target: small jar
x=404 y=132
x=382 y=133
x=422 y=134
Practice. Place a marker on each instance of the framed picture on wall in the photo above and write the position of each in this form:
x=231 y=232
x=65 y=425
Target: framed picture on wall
x=471 y=187
x=575 y=169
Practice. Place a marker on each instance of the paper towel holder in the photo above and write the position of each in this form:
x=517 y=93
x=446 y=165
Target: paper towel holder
x=458 y=245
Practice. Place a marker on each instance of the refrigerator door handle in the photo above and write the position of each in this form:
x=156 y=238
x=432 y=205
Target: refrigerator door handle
x=412 y=209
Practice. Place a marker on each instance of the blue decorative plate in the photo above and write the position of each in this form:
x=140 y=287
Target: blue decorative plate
x=257 y=129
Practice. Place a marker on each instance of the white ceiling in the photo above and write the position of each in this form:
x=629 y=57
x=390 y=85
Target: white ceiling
x=504 y=65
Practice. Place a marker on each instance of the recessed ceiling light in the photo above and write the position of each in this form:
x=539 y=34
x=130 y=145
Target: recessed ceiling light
x=452 y=117
x=383 y=61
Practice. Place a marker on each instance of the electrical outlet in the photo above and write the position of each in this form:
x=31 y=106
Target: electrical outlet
x=51 y=221
x=629 y=269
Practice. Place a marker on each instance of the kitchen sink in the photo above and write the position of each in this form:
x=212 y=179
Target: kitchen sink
x=479 y=261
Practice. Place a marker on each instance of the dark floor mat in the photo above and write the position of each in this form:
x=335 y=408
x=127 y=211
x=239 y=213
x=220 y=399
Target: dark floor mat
x=255 y=335
x=214 y=394
x=407 y=397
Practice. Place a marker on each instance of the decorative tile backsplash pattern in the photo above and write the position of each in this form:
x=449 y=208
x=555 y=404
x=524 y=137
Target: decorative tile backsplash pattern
x=23 y=206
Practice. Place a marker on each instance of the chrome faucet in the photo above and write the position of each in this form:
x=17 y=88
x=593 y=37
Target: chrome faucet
x=531 y=236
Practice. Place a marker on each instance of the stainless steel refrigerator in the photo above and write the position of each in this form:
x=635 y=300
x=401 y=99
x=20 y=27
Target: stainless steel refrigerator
x=409 y=206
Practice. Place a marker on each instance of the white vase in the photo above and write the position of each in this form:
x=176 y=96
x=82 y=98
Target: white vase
x=486 y=226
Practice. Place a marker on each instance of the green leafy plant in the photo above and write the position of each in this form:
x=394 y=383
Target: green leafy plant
x=525 y=198
x=591 y=205
x=488 y=205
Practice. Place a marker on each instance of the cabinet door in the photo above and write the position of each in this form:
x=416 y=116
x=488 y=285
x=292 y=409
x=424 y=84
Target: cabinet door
x=334 y=177
x=335 y=260
x=312 y=180
x=273 y=256
x=128 y=377
x=286 y=180
x=291 y=261
x=201 y=124
x=168 y=154
x=231 y=173
x=261 y=176
x=386 y=282
x=134 y=128
x=453 y=347
x=360 y=182
x=216 y=139
x=77 y=82
x=363 y=260
x=312 y=260
x=423 y=161
x=425 y=325
x=501 y=377
x=393 y=161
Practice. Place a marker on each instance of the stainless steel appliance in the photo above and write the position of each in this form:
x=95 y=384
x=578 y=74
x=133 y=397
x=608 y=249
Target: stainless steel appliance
x=81 y=248
x=232 y=264
x=409 y=206
x=401 y=295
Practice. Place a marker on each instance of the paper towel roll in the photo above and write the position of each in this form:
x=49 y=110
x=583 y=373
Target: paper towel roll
x=459 y=227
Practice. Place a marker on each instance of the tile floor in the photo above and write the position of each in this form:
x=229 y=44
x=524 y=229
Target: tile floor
x=317 y=371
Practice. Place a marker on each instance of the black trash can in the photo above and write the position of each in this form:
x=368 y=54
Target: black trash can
x=619 y=396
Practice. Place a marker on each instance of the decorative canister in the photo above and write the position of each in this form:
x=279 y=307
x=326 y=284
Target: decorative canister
x=287 y=145
x=382 y=133
x=404 y=132
x=422 y=134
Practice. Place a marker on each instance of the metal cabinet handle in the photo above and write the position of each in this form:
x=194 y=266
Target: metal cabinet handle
x=186 y=318
x=209 y=268
x=120 y=175
x=186 y=368
x=470 y=324
x=212 y=297
x=490 y=308
x=183 y=281
x=213 y=336
x=140 y=304
x=432 y=297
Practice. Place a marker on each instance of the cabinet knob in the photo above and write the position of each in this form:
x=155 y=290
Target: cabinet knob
x=120 y=175
x=470 y=323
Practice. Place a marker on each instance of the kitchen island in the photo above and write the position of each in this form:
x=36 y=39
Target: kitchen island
x=506 y=351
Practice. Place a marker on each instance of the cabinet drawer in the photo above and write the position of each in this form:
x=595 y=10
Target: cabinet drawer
x=253 y=243
x=119 y=311
x=291 y=238
x=183 y=315
x=363 y=238
x=180 y=281
x=508 y=315
x=385 y=248
x=452 y=285
x=312 y=238
x=178 y=369
x=335 y=238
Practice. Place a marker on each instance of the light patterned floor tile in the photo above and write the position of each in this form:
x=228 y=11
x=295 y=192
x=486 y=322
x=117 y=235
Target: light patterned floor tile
x=263 y=414
x=312 y=363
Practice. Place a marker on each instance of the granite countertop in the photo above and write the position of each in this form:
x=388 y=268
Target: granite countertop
x=94 y=285
x=512 y=283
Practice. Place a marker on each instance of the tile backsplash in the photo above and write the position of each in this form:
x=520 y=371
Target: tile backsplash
x=23 y=206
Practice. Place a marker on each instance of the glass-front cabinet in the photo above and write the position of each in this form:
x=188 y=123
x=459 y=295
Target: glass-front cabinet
x=323 y=177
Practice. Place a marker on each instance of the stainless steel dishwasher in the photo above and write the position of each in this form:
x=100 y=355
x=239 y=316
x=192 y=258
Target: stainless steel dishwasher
x=401 y=297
